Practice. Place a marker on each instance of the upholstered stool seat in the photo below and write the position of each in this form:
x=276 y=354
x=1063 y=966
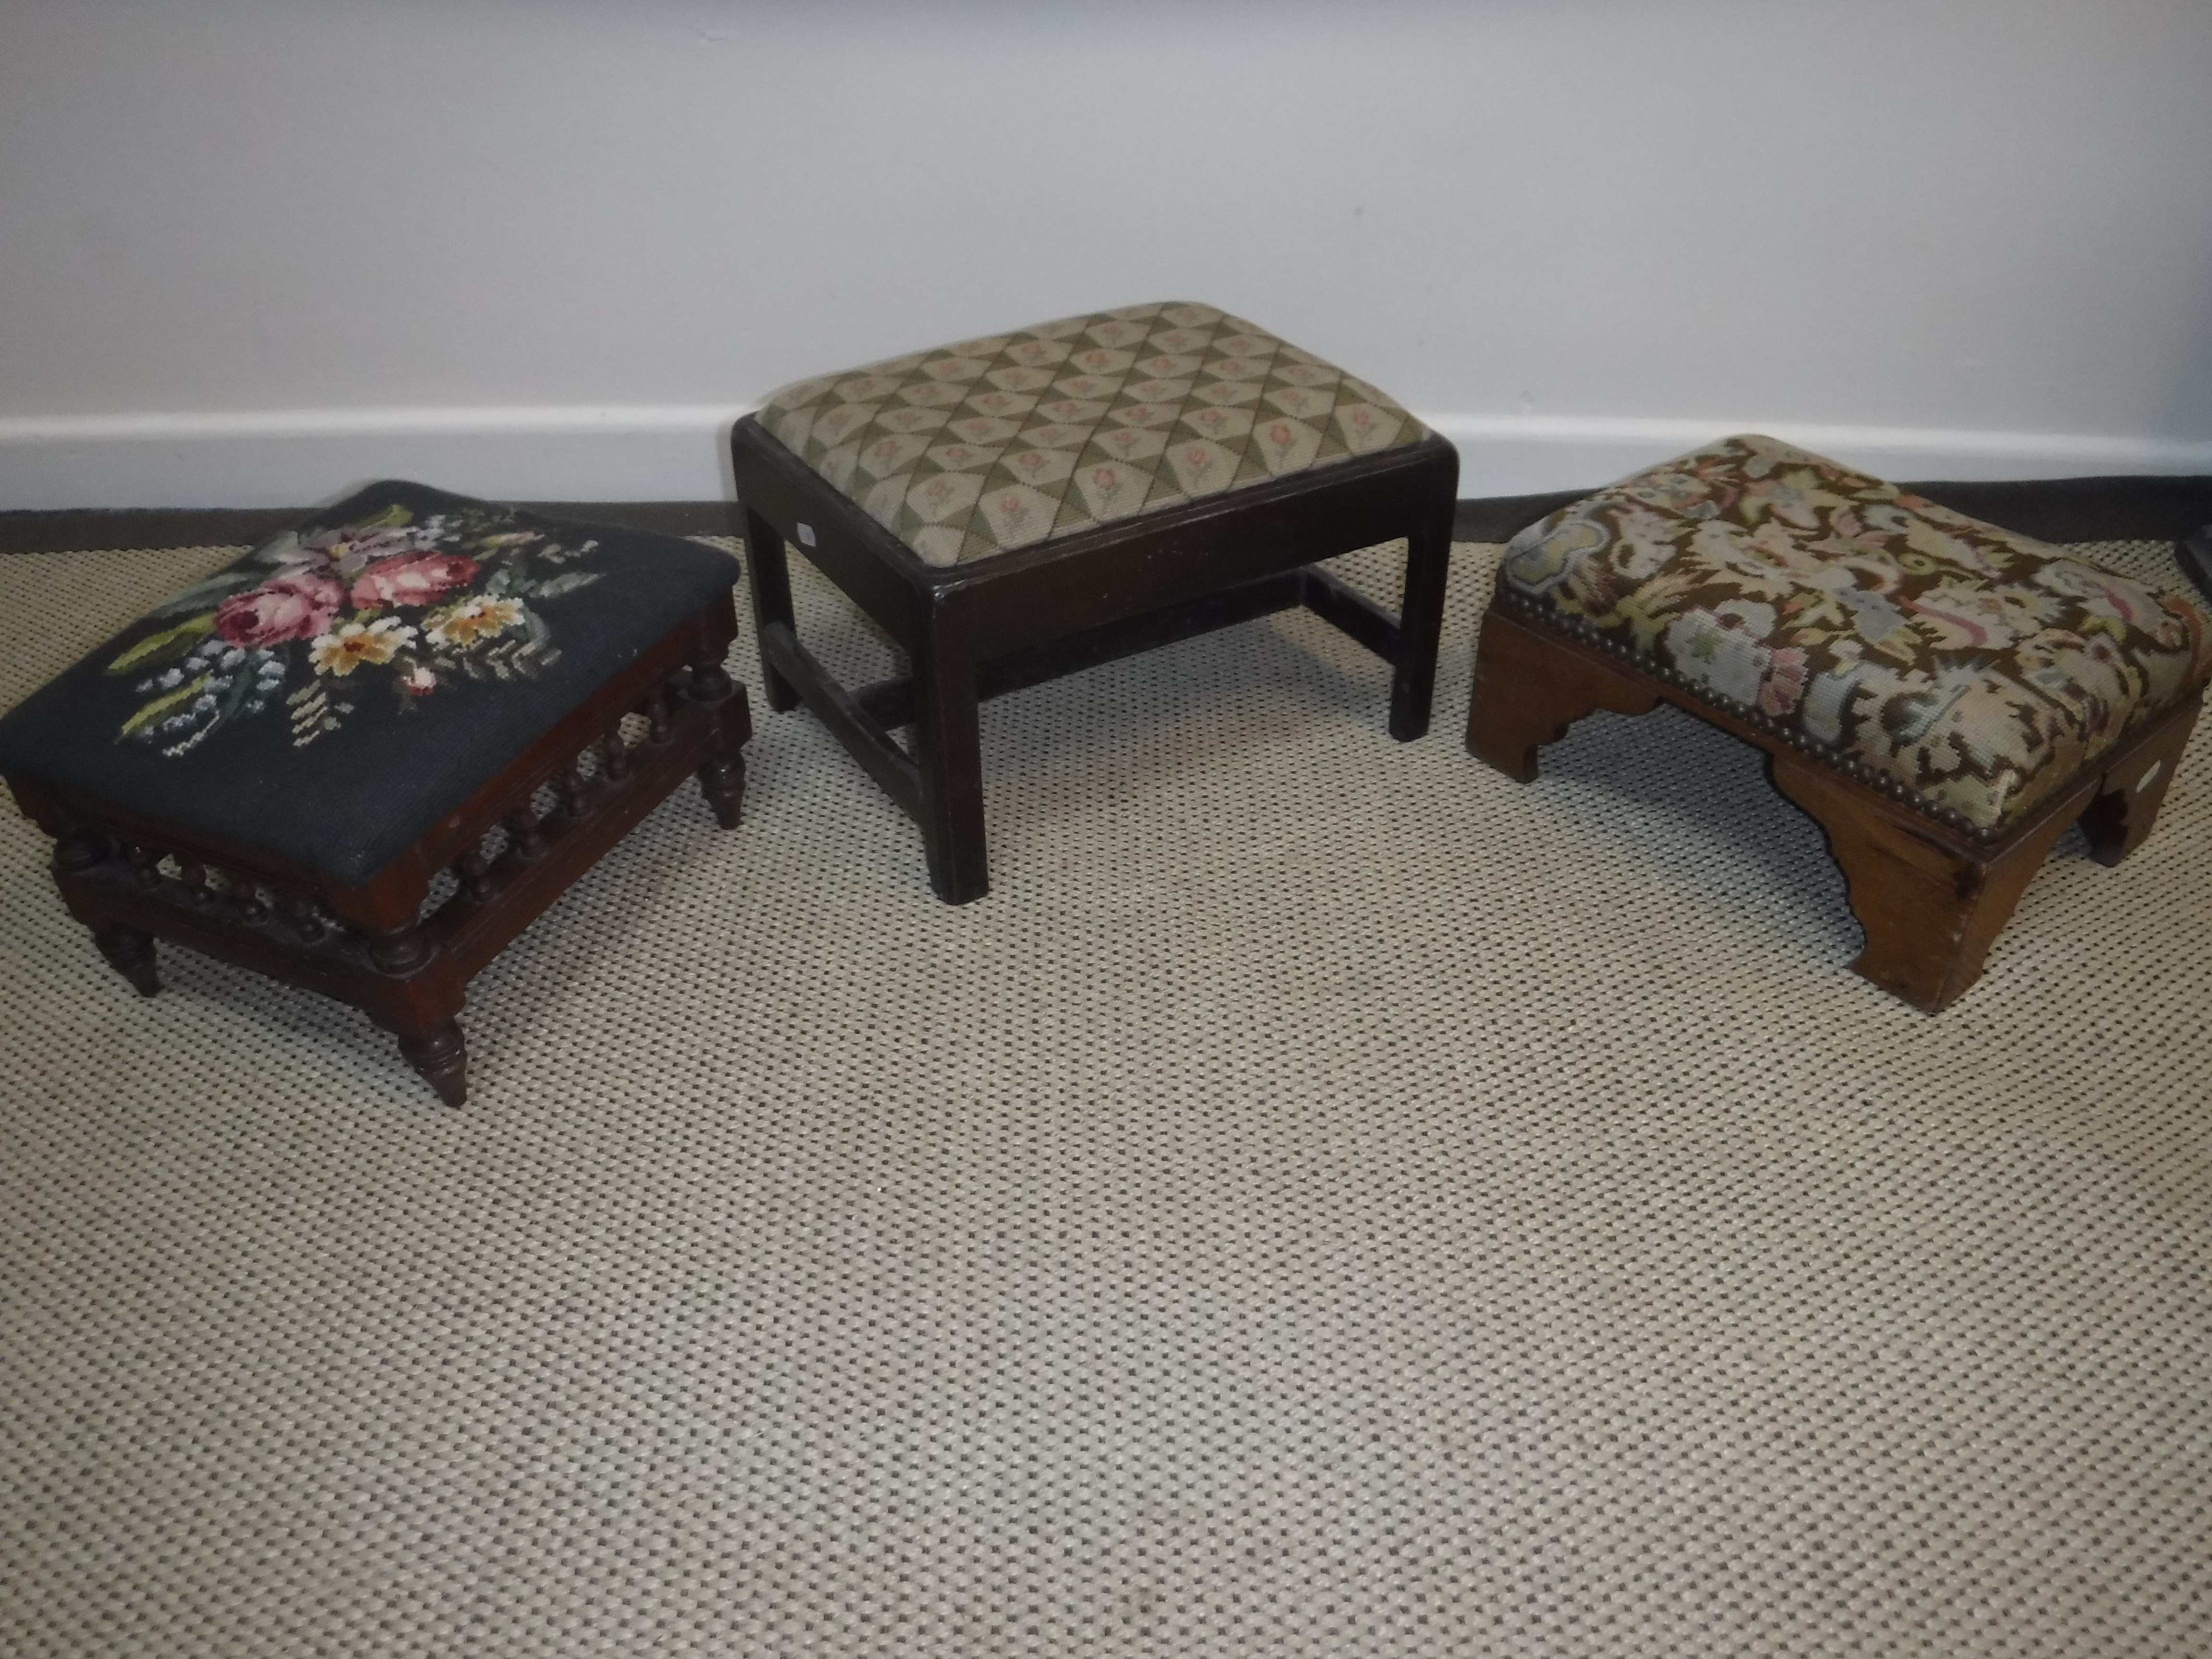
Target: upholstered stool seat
x=1022 y=505
x=276 y=763
x=1945 y=696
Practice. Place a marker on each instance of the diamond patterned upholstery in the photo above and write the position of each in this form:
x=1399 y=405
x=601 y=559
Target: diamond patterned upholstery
x=994 y=444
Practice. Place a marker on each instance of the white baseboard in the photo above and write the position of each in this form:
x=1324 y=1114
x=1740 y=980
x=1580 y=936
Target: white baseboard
x=298 y=457
x=675 y=452
x=1526 y=454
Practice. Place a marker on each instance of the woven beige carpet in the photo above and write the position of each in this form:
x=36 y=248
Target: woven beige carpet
x=1329 y=1199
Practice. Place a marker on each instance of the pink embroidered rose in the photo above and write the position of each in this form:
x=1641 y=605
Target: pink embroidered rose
x=294 y=607
x=415 y=580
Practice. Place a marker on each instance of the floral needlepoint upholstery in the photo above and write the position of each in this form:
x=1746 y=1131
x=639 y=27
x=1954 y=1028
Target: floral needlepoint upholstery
x=1969 y=670
x=334 y=693
x=1009 y=440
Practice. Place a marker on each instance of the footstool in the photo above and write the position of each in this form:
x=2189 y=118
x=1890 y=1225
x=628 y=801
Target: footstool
x=277 y=765
x=1016 y=508
x=1943 y=696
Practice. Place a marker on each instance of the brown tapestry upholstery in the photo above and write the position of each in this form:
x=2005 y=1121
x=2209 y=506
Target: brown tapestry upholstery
x=1976 y=669
x=1002 y=442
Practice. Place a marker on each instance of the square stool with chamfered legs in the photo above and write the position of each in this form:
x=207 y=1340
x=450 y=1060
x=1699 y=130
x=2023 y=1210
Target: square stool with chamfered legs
x=1942 y=696
x=275 y=765
x=1016 y=507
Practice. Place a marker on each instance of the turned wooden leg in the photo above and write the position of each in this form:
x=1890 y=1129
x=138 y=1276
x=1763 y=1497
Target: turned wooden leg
x=722 y=777
x=770 y=578
x=399 y=951
x=129 y=952
x=419 y=1007
x=2119 y=816
x=1420 y=624
x=722 y=781
x=1529 y=690
x=1930 y=912
x=949 y=754
x=441 y=1055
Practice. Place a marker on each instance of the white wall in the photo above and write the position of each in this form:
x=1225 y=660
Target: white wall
x=253 y=250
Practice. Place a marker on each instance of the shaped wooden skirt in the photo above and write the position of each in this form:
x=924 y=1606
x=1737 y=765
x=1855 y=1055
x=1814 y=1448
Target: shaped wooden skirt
x=1943 y=696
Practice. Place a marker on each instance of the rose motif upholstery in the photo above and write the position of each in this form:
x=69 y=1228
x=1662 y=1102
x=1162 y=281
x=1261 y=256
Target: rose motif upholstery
x=333 y=693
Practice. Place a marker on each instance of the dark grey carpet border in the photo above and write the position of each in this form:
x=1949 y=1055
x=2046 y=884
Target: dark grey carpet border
x=2114 y=509
x=2054 y=509
x=85 y=530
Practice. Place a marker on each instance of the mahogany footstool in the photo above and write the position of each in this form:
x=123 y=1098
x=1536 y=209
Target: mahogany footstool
x=1943 y=696
x=1013 y=508
x=276 y=765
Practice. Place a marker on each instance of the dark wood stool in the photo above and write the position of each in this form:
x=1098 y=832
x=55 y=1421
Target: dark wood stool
x=1019 y=507
x=546 y=790
x=1925 y=686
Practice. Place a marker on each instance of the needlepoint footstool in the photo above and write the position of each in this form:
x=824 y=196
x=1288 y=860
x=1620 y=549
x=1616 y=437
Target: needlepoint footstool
x=1016 y=507
x=1944 y=697
x=276 y=765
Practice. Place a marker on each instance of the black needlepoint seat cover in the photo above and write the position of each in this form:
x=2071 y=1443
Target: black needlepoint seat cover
x=333 y=694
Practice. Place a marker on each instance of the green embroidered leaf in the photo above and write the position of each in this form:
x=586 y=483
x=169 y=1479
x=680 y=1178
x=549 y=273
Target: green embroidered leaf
x=392 y=517
x=200 y=593
x=276 y=551
x=163 y=706
x=165 y=646
x=534 y=628
x=241 y=685
x=553 y=587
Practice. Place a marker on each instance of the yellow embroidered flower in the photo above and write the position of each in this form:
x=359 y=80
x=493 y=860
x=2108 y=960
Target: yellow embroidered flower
x=464 y=624
x=355 y=643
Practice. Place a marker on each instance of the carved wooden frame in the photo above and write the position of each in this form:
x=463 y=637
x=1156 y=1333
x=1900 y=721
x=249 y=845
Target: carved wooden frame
x=972 y=631
x=378 y=945
x=1931 y=898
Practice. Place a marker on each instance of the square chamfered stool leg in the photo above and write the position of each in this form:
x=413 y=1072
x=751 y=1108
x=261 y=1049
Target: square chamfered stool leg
x=769 y=583
x=977 y=630
x=948 y=744
x=1421 y=619
x=132 y=878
